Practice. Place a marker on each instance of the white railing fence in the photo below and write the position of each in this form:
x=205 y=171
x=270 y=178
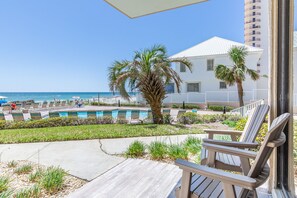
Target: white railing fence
x=244 y=110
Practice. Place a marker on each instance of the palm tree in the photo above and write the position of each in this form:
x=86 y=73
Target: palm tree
x=148 y=72
x=237 y=72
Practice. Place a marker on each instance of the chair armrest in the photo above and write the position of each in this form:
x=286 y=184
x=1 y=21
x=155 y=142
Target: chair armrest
x=231 y=143
x=216 y=174
x=230 y=150
x=232 y=133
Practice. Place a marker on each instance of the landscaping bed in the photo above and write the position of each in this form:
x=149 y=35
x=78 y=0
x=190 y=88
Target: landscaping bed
x=24 y=179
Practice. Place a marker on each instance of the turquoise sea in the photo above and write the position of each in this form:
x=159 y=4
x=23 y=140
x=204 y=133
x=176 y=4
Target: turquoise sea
x=49 y=96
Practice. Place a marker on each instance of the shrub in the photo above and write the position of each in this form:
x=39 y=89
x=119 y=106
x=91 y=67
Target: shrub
x=219 y=108
x=234 y=118
x=188 y=118
x=36 y=176
x=176 y=151
x=56 y=122
x=122 y=121
x=157 y=150
x=32 y=192
x=53 y=179
x=167 y=118
x=136 y=149
x=263 y=130
x=193 y=145
x=187 y=106
x=24 y=169
x=12 y=164
x=6 y=194
x=229 y=123
x=4 y=183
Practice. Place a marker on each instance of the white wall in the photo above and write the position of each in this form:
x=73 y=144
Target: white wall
x=209 y=83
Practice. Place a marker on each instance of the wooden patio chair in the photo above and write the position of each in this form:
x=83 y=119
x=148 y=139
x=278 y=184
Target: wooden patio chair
x=53 y=114
x=63 y=103
x=107 y=113
x=246 y=141
x=35 y=116
x=72 y=114
x=203 y=181
x=92 y=114
x=57 y=104
x=18 y=116
x=35 y=105
x=122 y=114
x=6 y=107
x=2 y=117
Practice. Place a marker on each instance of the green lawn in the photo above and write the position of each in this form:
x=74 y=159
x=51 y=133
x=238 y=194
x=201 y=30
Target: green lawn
x=84 y=132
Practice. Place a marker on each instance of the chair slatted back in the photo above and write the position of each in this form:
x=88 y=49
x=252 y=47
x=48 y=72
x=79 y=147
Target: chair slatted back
x=54 y=114
x=122 y=114
x=135 y=114
x=18 y=116
x=2 y=117
x=51 y=104
x=107 y=113
x=254 y=123
x=44 y=105
x=72 y=114
x=274 y=138
x=63 y=103
x=6 y=107
x=35 y=115
x=92 y=114
x=35 y=105
x=57 y=104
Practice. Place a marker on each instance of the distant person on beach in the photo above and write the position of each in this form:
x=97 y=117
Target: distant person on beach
x=13 y=106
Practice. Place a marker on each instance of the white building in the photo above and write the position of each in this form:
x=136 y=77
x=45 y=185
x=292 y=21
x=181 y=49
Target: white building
x=201 y=85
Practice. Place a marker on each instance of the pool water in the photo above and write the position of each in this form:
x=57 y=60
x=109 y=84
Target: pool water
x=82 y=114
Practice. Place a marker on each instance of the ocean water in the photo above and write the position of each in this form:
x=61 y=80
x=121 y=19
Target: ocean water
x=49 y=96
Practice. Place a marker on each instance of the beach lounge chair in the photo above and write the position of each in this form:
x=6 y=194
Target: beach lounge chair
x=107 y=113
x=58 y=104
x=28 y=105
x=203 y=181
x=2 y=117
x=44 y=105
x=18 y=116
x=180 y=112
x=63 y=103
x=70 y=103
x=6 y=107
x=53 y=114
x=72 y=114
x=135 y=114
x=18 y=106
x=246 y=141
x=92 y=114
x=35 y=116
x=51 y=104
x=166 y=111
x=122 y=114
x=35 y=105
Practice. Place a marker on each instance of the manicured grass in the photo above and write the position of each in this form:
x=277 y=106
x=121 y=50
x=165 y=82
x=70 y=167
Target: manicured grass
x=84 y=132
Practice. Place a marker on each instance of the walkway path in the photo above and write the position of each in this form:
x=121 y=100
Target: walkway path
x=86 y=159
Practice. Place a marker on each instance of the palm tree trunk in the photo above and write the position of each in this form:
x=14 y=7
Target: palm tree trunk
x=240 y=92
x=157 y=113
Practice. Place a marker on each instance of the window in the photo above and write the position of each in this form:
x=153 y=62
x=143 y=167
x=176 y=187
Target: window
x=210 y=64
x=254 y=32
x=169 y=88
x=193 y=87
x=254 y=13
x=254 y=19
x=254 y=44
x=223 y=85
x=254 y=38
x=182 y=68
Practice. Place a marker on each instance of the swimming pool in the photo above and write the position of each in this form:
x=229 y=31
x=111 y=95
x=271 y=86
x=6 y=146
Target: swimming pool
x=83 y=114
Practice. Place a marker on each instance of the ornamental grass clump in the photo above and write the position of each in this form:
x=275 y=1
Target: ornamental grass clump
x=193 y=145
x=36 y=176
x=12 y=164
x=188 y=118
x=176 y=151
x=53 y=179
x=33 y=192
x=24 y=169
x=136 y=149
x=157 y=150
x=4 y=183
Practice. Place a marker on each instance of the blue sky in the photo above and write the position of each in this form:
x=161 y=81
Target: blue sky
x=67 y=45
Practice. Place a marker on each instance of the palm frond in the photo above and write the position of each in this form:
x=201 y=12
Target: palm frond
x=253 y=74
